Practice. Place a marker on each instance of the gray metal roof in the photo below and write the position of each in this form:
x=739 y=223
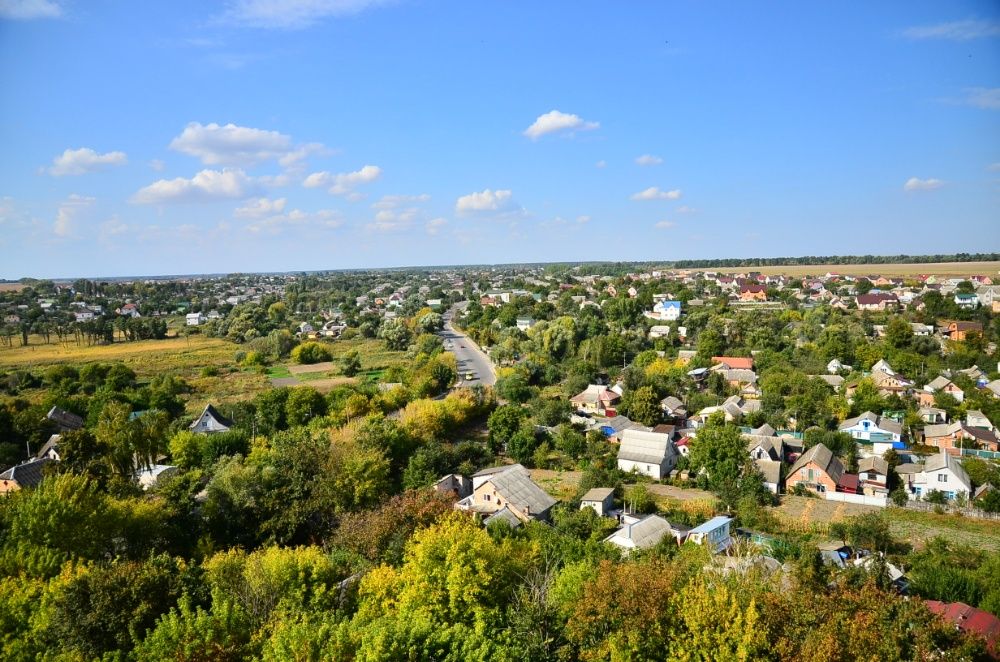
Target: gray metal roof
x=824 y=459
x=27 y=474
x=645 y=533
x=517 y=489
x=882 y=422
x=598 y=494
x=641 y=446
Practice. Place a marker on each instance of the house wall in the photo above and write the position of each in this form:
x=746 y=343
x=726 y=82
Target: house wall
x=925 y=482
x=655 y=471
x=820 y=477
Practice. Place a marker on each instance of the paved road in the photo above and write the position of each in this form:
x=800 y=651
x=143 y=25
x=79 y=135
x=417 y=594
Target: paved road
x=468 y=356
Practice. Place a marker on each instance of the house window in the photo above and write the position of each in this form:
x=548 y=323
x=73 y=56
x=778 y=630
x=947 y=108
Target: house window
x=486 y=497
x=872 y=475
x=917 y=491
x=809 y=474
x=942 y=478
x=821 y=488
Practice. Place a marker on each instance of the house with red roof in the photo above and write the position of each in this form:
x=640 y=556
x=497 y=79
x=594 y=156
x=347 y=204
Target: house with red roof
x=971 y=620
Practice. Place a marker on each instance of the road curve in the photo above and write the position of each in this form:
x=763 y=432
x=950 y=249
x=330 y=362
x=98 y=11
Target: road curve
x=468 y=356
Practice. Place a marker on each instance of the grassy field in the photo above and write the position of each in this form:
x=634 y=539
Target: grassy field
x=184 y=357
x=937 y=269
x=917 y=527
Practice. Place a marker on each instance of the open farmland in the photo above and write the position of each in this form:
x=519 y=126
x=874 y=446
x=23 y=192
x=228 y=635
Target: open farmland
x=184 y=357
x=954 y=269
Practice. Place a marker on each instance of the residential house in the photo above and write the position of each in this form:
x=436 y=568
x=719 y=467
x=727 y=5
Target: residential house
x=764 y=446
x=455 y=484
x=888 y=381
x=818 y=470
x=968 y=619
x=50 y=449
x=714 y=533
x=942 y=473
x=667 y=311
x=525 y=323
x=733 y=362
x=877 y=301
x=508 y=487
x=149 y=477
x=25 y=475
x=83 y=315
x=600 y=499
x=994 y=388
x=966 y=300
x=961 y=330
x=770 y=471
x=921 y=329
x=210 y=421
x=643 y=533
x=649 y=453
x=733 y=408
x=673 y=408
x=753 y=293
x=658 y=331
x=835 y=366
x=977 y=419
x=873 y=475
x=932 y=415
x=595 y=399
x=195 y=319
x=952 y=437
x=613 y=428
x=939 y=384
x=871 y=427
x=65 y=420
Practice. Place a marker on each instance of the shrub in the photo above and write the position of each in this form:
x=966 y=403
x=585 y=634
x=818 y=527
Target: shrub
x=311 y=352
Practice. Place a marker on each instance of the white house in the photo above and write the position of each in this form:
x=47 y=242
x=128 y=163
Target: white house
x=942 y=472
x=600 y=499
x=658 y=331
x=210 y=421
x=669 y=311
x=649 y=453
x=525 y=323
x=195 y=319
x=714 y=533
x=882 y=433
x=84 y=315
x=641 y=533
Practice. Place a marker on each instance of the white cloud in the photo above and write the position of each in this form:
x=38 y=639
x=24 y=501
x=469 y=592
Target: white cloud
x=157 y=165
x=391 y=220
x=343 y=183
x=654 y=193
x=276 y=224
x=555 y=120
x=113 y=227
x=684 y=209
x=601 y=164
x=231 y=144
x=648 y=160
x=486 y=201
x=206 y=186
x=295 y=160
x=955 y=30
x=84 y=160
x=917 y=184
x=665 y=225
x=987 y=98
x=435 y=225
x=292 y=14
x=260 y=207
x=68 y=211
x=394 y=201
x=582 y=219
x=28 y=9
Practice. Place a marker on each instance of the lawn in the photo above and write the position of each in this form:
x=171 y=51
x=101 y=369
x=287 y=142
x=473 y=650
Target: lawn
x=917 y=527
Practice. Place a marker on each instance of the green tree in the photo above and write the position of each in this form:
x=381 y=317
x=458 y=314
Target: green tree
x=351 y=363
x=395 y=334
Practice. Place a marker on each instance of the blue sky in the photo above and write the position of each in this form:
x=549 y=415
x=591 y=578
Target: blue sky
x=272 y=135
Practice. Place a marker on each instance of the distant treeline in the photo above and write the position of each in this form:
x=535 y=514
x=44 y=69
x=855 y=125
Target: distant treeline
x=835 y=259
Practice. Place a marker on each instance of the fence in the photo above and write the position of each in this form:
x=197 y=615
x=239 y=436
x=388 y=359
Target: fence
x=989 y=455
x=862 y=499
x=966 y=512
